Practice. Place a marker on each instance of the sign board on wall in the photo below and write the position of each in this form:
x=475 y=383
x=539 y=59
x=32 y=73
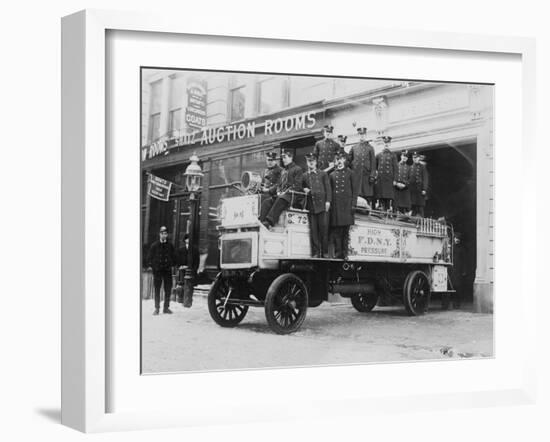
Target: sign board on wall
x=195 y=113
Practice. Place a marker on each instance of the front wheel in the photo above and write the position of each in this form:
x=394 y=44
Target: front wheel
x=416 y=293
x=286 y=304
x=221 y=311
x=364 y=302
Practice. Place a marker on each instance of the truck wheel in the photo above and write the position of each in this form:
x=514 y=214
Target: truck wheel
x=416 y=293
x=286 y=304
x=364 y=302
x=230 y=314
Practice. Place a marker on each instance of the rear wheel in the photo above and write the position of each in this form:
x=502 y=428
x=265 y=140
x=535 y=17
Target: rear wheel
x=286 y=304
x=364 y=302
x=416 y=293
x=221 y=310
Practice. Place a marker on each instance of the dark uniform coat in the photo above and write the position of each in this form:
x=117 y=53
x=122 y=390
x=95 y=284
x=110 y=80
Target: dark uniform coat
x=362 y=162
x=386 y=174
x=320 y=191
x=418 y=183
x=272 y=176
x=162 y=257
x=324 y=151
x=291 y=179
x=403 y=196
x=344 y=197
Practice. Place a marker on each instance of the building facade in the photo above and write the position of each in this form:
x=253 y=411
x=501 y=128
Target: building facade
x=231 y=119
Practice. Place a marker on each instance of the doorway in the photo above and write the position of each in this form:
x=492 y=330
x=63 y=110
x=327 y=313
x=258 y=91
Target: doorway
x=452 y=194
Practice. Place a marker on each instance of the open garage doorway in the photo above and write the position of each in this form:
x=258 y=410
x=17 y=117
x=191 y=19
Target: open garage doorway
x=452 y=194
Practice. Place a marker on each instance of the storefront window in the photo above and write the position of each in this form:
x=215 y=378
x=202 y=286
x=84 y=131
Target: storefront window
x=225 y=171
x=254 y=162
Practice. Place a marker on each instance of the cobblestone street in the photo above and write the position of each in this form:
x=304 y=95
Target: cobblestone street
x=189 y=340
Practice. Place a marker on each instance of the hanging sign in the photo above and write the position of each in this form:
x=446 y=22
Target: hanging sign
x=158 y=188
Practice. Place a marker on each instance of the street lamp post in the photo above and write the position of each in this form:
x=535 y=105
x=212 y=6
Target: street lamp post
x=193 y=177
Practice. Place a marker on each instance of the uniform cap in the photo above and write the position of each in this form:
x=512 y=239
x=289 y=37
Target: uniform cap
x=287 y=153
x=361 y=130
x=163 y=229
x=271 y=155
x=342 y=138
x=405 y=152
x=415 y=155
x=386 y=139
x=340 y=154
x=310 y=156
x=328 y=128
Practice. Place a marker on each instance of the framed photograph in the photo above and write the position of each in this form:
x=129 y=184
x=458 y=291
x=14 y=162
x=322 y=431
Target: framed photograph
x=246 y=211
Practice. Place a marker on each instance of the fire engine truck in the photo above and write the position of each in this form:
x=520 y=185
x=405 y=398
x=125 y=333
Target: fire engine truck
x=402 y=256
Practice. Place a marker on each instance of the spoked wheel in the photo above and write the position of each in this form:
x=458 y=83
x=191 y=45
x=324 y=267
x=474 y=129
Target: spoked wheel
x=286 y=304
x=224 y=314
x=364 y=302
x=416 y=293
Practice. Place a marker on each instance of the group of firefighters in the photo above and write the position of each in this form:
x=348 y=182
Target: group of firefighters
x=334 y=179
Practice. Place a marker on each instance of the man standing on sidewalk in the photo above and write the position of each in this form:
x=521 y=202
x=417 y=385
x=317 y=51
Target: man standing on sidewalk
x=161 y=258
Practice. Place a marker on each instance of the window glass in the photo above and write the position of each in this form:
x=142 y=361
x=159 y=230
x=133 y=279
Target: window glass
x=237 y=102
x=225 y=171
x=156 y=89
x=154 y=128
x=254 y=162
x=272 y=94
x=177 y=93
x=175 y=121
x=305 y=90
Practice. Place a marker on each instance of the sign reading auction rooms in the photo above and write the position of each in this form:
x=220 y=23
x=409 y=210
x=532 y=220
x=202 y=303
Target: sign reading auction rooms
x=236 y=132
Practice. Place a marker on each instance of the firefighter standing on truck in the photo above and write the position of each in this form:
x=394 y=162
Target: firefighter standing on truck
x=418 y=186
x=319 y=195
x=386 y=176
x=402 y=191
x=344 y=199
x=326 y=149
x=362 y=162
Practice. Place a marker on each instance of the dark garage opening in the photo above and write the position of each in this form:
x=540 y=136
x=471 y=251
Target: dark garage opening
x=452 y=194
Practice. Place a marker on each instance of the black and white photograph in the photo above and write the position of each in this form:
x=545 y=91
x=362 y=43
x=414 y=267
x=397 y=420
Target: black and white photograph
x=298 y=221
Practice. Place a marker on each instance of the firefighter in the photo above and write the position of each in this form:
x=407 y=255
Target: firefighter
x=362 y=162
x=344 y=199
x=325 y=150
x=418 y=185
x=319 y=195
x=291 y=181
x=402 y=192
x=386 y=176
x=271 y=176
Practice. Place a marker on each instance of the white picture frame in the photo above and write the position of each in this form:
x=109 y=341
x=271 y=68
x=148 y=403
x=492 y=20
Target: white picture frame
x=85 y=214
